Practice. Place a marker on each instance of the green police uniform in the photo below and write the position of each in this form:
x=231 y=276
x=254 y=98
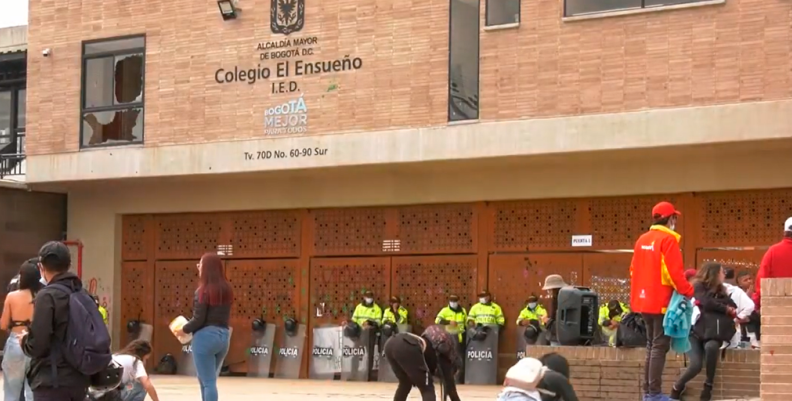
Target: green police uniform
x=604 y=316
x=363 y=313
x=536 y=314
x=389 y=316
x=485 y=314
x=449 y=315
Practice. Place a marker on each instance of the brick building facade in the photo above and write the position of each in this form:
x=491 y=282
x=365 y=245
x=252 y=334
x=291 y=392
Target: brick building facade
x=403 y=136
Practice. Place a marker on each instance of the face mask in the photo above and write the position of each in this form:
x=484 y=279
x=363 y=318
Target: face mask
x=368 y=300
x=483 y=300
x=672 y=226
x=453 y=304
x=532 y=305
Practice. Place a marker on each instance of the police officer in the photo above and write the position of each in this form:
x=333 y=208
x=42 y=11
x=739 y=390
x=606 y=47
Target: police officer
x=367 y=312
x=610 y=317
x=485 y=312
x=395 y=313
x=532 y=311
x=532 y=317
x=102 y=309
x=368 y=315
x=453 y=317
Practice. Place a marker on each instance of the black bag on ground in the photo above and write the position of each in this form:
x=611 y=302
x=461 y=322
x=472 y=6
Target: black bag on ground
x=631 y=332
x=166 y=365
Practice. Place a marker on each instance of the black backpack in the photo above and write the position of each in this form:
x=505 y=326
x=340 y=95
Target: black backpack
x=86 y=346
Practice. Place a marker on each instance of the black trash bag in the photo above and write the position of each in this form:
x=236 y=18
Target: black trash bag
x=631 y=332
x=166 y=365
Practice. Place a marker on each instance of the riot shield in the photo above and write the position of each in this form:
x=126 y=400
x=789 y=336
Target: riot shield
x=481 y=358
x=520 y=341
x=185 y=365
x=326 y=353
x=290 y=351
x=259 y=355
x=357 y=358
x=385 y=373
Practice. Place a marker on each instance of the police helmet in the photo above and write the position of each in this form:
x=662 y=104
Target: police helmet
x=290 y=326
x=480 y=333
x=389 y=329
x=352 y=330
x=108 y=379
x=532 y=331
x=258 y=325
x=133 y=326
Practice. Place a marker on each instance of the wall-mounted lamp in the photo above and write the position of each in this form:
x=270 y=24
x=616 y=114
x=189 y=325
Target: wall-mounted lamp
x=228 y=9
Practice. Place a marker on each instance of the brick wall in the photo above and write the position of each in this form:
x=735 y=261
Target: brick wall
x=605 y=373
x=737 y=52
x=776 y=339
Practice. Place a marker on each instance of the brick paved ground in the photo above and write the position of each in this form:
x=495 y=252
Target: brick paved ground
x=176 y=388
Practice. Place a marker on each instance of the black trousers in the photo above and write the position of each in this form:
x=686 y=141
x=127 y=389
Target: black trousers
x=702 y=353
x=60 y=394
x=657 y=346
x=409 y=366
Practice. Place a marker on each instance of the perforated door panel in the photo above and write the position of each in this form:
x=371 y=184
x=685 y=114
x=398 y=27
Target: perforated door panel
x=358 y=231
x=262 y=288
x=136 y=301
x=437 y=229
x=533 y=225
x=337 y=285
x=609 y=275
x=739 y=260
x=746 y=218
x=187 y=236
x=513 y=278
x=134 y=237
x=617 y=222
x=264 y=234
x=425 y=282
x=174 y=291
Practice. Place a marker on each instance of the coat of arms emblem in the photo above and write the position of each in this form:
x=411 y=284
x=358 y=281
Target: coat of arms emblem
x=287 y=16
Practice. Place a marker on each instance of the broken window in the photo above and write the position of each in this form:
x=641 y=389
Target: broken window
x=112 y=104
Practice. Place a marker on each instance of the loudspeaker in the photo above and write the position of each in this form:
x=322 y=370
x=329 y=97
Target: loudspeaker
x=576 y=318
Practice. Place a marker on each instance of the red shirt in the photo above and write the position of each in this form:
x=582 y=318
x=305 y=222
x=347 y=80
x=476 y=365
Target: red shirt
x=776 y=263
x=656 y=271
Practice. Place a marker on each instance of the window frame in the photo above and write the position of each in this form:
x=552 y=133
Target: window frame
x=449 y=94
x=119 y=107
x=519 y=14
x=643 y=7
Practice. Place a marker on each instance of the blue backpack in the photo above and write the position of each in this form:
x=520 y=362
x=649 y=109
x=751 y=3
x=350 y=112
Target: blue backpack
x=86 y=346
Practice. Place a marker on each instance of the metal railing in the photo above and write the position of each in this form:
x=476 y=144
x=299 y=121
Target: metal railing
x=12 y=154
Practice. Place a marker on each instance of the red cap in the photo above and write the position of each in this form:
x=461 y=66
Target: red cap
x=690 y=273
x=664 y=209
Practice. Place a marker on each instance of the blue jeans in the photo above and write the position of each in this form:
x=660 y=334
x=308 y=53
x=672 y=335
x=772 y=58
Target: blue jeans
x=15 y=367
x=133 y=391
x=210 y=347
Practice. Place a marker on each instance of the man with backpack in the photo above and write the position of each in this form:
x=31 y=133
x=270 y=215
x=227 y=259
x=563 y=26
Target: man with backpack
x=68 y=343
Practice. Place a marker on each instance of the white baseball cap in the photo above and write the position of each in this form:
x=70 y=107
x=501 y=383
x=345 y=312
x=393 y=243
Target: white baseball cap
x=788 y=224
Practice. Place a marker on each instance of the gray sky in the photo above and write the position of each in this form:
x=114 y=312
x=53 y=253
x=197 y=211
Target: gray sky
x=13 y=13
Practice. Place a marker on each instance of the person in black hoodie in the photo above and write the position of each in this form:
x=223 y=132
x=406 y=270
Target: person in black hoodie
x=555 y=385
x=50 y=319
x=714 y=326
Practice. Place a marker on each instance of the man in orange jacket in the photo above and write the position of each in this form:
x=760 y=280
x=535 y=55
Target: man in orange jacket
x=656 y=271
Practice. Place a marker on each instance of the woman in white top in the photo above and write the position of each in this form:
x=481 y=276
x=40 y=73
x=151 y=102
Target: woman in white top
x=135 y=383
